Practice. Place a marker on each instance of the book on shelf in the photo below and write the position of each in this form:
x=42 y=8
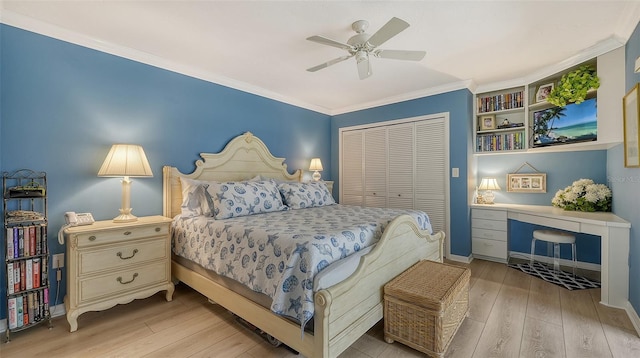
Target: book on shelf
x=16 y=242
x=36 y=272
x=19 y=312
x=32 y=241
x=10 y=278
x=29 y=274
x=500 y=142
x=12 y=313
x=16 y=276
x=21 y=241
x=9 y=243
x=501 y=102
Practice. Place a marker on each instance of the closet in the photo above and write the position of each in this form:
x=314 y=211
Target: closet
x=398 y=164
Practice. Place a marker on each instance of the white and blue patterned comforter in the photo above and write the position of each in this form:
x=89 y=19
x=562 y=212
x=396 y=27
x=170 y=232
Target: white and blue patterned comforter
x=279 y=253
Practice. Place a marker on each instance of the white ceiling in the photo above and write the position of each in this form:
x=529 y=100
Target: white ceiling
x=260 y=46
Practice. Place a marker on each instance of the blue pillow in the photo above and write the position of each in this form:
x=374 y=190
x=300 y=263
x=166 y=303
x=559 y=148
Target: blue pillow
x=305 y=195
x=234 y=199
x=195 y=199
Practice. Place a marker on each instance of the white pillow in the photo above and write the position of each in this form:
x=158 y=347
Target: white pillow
x=305 y=195
x=195 y=199
x=242 y=198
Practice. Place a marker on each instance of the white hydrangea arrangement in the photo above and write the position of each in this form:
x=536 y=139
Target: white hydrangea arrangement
x=583 y=195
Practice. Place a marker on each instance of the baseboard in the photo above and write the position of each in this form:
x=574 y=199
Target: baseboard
x=458 y=258
x=549 y=260
x=633 y=316
x=56 y=311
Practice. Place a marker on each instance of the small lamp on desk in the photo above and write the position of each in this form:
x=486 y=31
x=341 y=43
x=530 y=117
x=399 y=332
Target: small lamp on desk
x=125 y=160
x=316 y=166
x=488 y=184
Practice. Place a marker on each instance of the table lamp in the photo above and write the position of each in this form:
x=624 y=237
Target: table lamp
x=488 y=184
x=125 y=160
x=316 y=166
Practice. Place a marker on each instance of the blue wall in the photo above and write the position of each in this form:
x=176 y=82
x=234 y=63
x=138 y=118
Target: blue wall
x=625 y=182
x=63 y=105
x=459 y=106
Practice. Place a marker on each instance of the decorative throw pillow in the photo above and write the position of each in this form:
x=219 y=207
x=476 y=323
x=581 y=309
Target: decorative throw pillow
x=306 y=195
x=233 y=199
x=195 y=199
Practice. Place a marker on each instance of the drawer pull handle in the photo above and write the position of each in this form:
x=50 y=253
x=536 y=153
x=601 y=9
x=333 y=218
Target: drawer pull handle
x=119 y=279
x=127 y=232
x=119 y=254
x=92 y=238
x=158 y=229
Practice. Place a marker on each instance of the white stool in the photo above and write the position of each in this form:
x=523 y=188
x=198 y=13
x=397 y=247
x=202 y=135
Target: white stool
x=556 y=238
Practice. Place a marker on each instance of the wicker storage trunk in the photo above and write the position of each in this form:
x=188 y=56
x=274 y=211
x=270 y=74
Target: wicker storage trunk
x=425 y=305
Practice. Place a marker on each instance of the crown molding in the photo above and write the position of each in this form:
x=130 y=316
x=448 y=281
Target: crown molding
x=466 y=84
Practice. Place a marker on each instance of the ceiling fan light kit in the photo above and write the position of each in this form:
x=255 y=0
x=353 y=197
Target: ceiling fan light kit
x=362 y=45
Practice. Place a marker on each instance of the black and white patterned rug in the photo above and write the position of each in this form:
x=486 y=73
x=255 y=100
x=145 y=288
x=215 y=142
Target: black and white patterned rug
x=560 y=278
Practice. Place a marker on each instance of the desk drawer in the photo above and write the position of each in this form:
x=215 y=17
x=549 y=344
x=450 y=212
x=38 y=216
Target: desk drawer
x=489 y=224
x=490 y=248
x=489 y=214
x=498 y=235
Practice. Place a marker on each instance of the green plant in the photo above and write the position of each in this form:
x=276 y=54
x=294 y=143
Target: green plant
x=573 y=86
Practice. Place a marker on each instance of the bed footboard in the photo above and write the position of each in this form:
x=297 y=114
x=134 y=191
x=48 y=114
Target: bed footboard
x=345 y=311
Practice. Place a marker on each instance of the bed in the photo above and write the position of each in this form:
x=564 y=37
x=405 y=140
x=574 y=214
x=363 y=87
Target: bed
x=343 y=311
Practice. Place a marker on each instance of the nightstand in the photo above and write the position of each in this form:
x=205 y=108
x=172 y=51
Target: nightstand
x=114 y=263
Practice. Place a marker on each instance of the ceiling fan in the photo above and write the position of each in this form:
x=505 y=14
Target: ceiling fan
x=362 y=45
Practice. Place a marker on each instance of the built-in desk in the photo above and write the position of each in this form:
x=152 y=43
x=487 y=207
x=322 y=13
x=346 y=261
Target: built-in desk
x=613 y=231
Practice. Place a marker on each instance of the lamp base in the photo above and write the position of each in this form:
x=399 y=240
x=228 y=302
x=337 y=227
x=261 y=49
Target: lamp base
x=125 y=216
x=488 y=197
x=316 y=176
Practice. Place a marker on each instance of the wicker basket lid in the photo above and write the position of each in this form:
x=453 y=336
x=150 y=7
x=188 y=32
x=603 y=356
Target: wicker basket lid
x=429 y=284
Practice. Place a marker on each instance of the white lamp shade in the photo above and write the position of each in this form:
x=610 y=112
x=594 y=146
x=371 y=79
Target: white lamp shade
x=489 y=184
x=316 y=164
x=125 y=160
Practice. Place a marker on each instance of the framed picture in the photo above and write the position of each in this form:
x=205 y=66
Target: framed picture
x=543 y=92
x=487 y=122
x=527 y=183
x=631 y=114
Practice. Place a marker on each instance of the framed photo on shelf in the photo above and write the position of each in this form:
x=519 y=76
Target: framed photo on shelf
x=543 y=92
x=487 y=122
x=527 y=183
x=631 y=117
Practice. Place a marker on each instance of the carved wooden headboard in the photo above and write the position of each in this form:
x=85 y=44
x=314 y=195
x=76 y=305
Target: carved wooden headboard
x=242 y=158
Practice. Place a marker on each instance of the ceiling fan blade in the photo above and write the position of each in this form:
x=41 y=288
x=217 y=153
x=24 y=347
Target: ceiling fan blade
x=330 y=42
x=329 y=63
x=389 y=30
x=401 y=54
x=364 y=66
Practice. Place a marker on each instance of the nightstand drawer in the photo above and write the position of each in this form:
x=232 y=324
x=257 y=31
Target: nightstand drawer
x=489 y=248
x=121 y=234
x=489 y=224
x=489 y=214
x=110 y=285
x=489 y=234
x=115 y=257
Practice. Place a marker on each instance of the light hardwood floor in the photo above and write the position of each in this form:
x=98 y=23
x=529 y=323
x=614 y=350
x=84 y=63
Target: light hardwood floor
x=511 y=315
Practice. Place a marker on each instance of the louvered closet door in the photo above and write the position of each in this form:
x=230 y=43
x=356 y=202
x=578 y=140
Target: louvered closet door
x=401 y=168
x=352 y=190
x=375 y=167
x=431 y=172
